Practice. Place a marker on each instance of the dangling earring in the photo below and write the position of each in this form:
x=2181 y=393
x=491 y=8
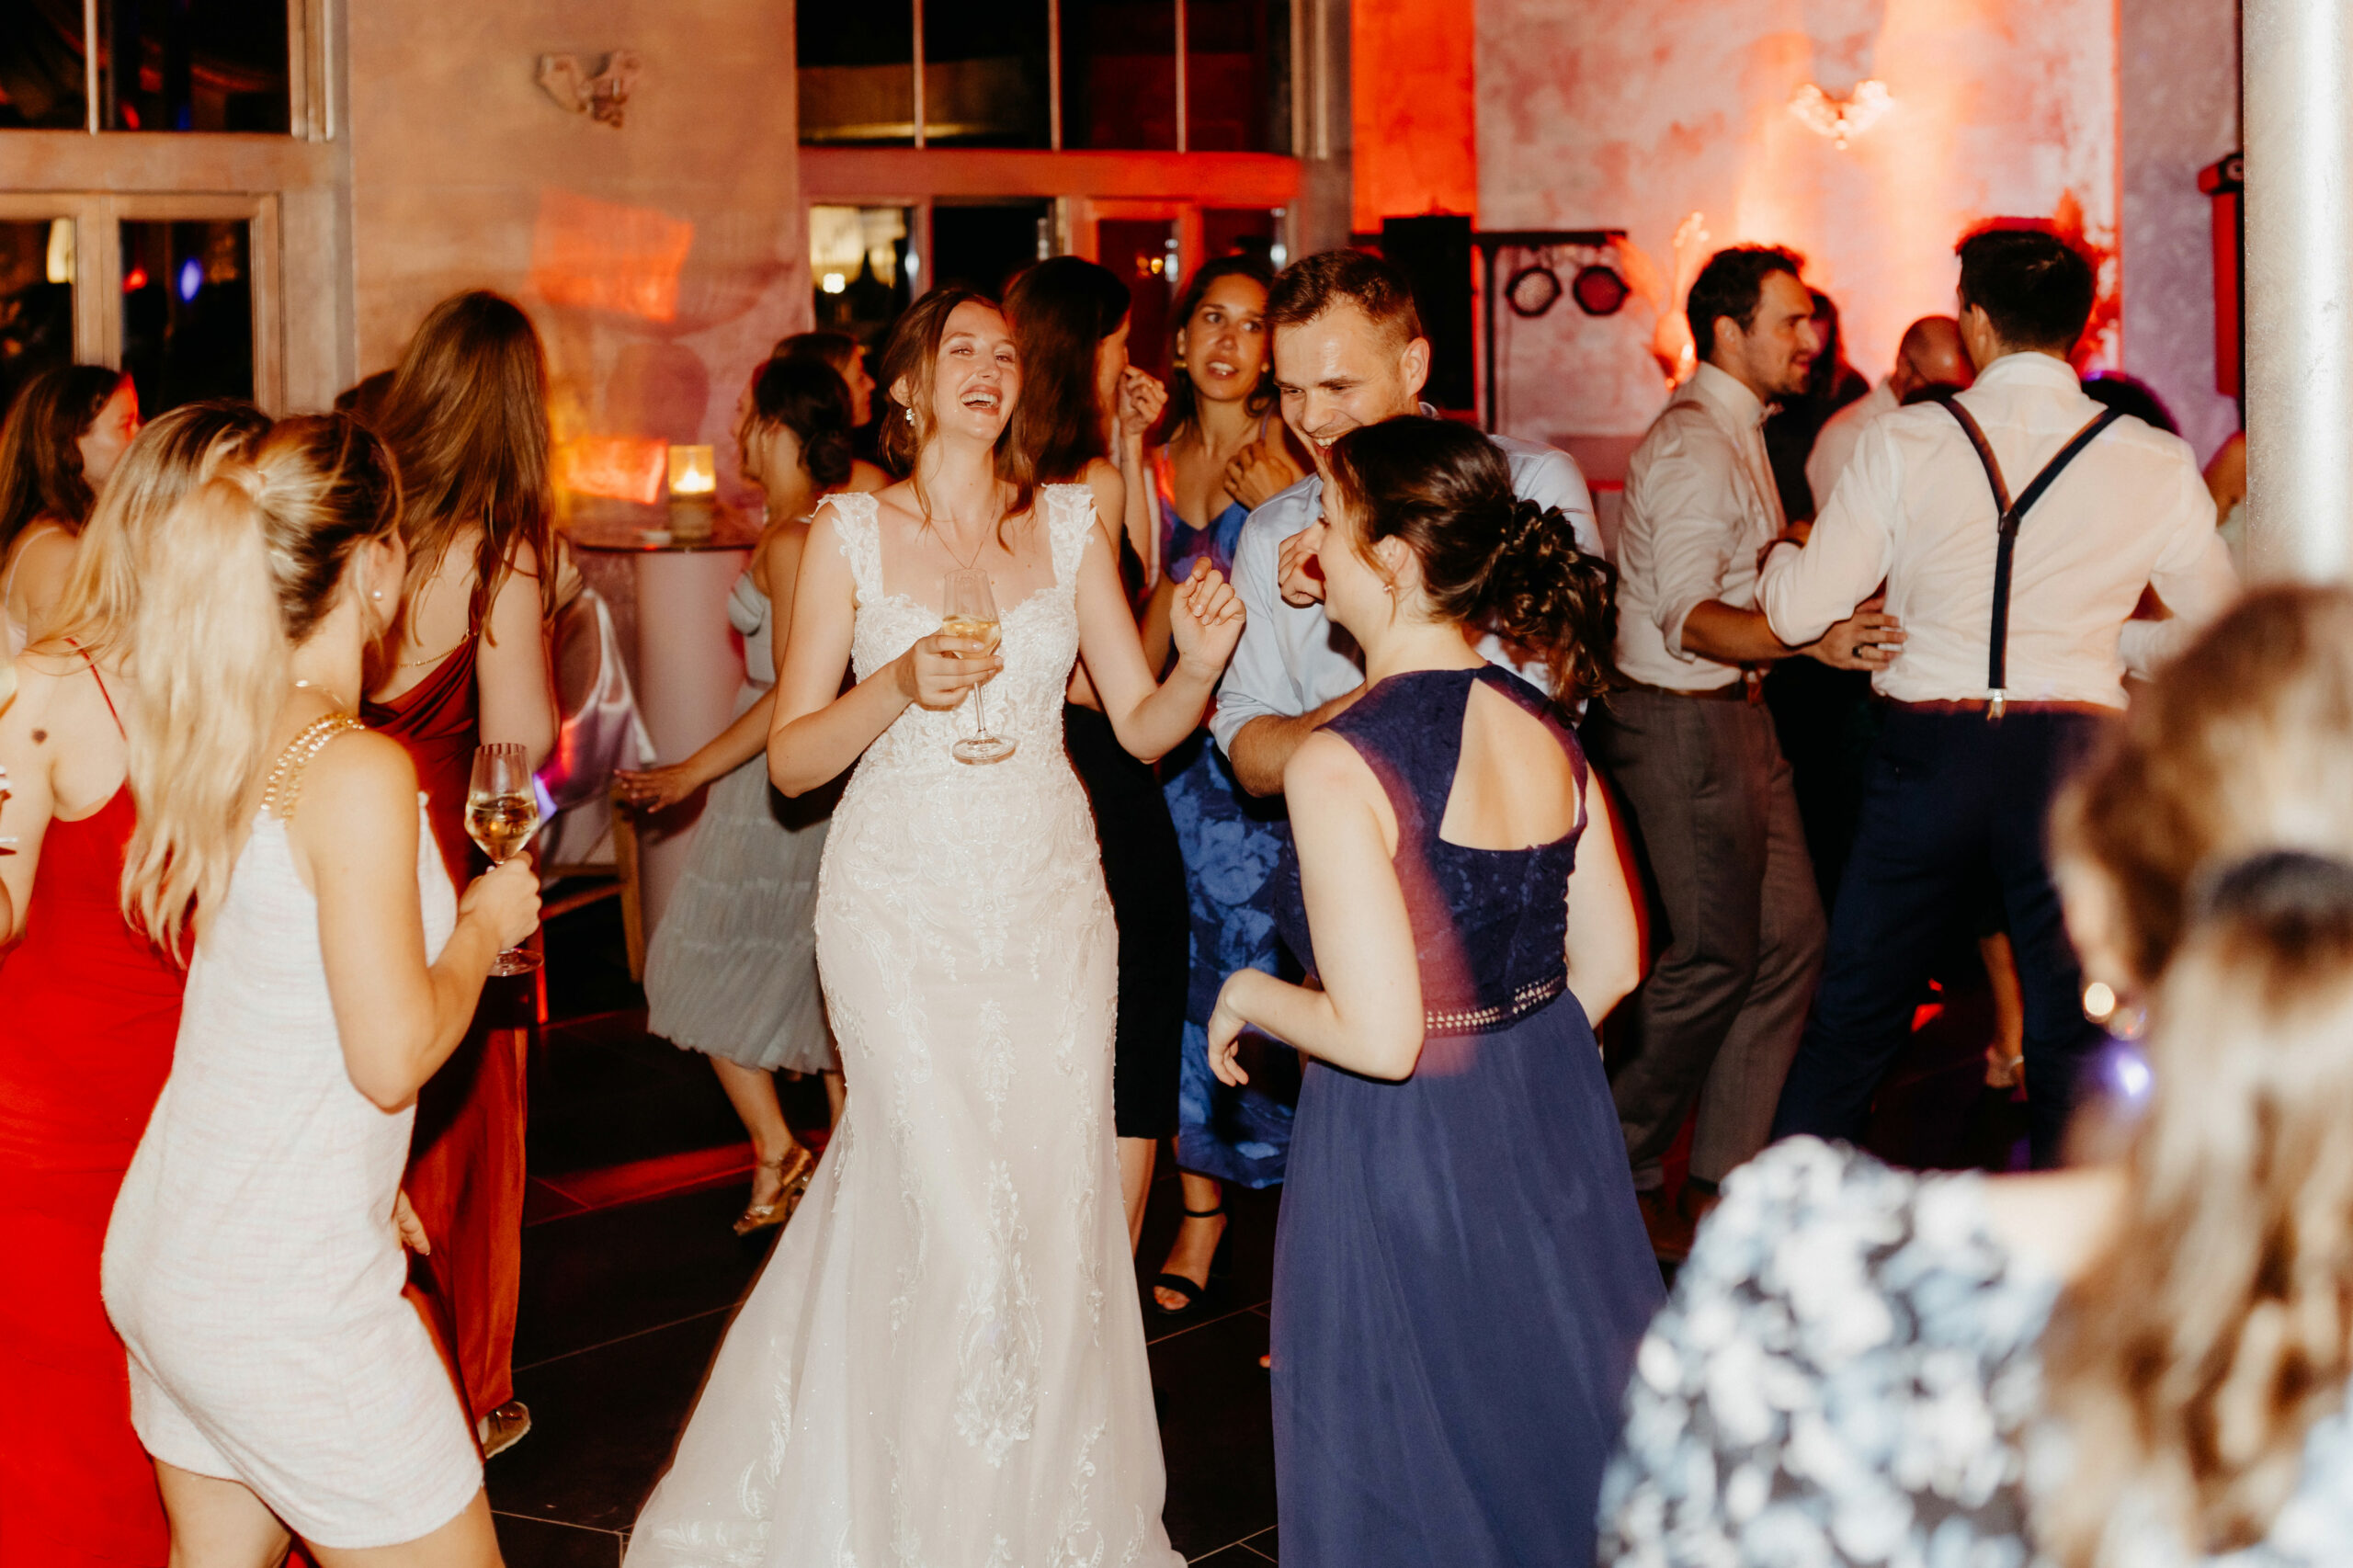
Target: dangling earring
x=2122 y=1019
x=911 y=415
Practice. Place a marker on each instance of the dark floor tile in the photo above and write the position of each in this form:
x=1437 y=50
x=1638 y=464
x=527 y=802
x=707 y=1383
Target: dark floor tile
x=601 y=1102
x=592 y=1277
x=1932 y=1111
x=603 y=1423
x=535 y=1543
x=1218 y=1432
x=588 y=962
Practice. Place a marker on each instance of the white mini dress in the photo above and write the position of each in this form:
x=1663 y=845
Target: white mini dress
x=252 y=1267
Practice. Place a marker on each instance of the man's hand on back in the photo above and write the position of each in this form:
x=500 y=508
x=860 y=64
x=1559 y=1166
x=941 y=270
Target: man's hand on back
x=1868 y=639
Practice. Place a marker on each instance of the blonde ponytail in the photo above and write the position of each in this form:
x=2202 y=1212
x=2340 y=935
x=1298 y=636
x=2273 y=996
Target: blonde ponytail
x=209 y=660
x=242 y=573
x=174 y=452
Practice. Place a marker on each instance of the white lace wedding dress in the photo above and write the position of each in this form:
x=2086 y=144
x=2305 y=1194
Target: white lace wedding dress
x=943 y=1364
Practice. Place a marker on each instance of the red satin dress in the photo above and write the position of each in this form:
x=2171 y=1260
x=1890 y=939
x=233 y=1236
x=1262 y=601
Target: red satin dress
x=465 y=1164
x=88 y=1013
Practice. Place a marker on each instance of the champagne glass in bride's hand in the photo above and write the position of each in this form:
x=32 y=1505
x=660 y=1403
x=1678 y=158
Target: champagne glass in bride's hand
x=968 y=609
x=502 y=814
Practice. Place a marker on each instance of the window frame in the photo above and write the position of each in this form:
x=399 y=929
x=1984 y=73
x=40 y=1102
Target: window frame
x=310 y=76
x=97 y=217
x=1181 y=43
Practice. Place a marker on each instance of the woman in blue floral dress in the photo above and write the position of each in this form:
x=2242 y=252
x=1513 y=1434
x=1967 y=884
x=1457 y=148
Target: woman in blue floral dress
x=1224 y=454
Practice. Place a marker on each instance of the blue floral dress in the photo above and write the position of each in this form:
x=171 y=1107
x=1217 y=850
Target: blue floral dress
x=1849 y=1372
x=1231 y=840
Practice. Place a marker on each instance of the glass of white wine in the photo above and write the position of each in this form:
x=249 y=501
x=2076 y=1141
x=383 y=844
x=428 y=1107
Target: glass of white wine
x=502 y=814
x=968 y=610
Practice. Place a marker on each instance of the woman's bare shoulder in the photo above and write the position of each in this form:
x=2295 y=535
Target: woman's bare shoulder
x=360 y=772
x=2063 y=1220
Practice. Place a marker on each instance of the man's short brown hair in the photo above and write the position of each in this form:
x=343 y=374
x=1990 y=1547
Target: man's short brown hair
x=1315 y=284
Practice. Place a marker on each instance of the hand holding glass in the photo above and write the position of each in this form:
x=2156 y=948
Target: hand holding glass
x=968 y=610
x=502 y=814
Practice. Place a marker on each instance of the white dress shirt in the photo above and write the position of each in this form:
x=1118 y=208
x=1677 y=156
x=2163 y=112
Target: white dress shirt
x=1833 y=444
x=1700 y=504
x=1291 y=657
x=1913 y=508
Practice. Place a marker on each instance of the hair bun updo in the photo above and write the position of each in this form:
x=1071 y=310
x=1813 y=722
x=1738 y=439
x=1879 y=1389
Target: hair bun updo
x=808 y=398
x=1490 y=559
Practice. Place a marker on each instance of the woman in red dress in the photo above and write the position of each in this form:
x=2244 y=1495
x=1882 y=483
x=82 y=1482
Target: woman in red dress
x=88 y=1010
x=466 y=417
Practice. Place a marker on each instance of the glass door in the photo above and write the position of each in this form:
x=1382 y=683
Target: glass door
x=188 y=310
x=37 y=272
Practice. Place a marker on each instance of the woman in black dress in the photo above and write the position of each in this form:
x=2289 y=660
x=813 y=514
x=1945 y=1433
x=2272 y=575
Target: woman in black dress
x=1081 y=403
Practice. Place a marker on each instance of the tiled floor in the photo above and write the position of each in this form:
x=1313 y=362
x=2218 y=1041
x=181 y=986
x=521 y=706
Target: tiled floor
x=625 y=1301
x=623 y=1306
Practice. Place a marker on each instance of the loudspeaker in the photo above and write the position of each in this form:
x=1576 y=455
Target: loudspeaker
x=1434 y=255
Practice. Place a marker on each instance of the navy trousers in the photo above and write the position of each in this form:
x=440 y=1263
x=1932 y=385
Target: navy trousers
x=1948 y=796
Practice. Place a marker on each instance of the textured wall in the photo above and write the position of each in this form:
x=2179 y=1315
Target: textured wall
x=1415 y=111
x=2180 y=69
x=660 y=259
x=1603 y=114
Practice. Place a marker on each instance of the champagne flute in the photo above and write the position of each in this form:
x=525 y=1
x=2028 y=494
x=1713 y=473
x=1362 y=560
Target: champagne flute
x=502 y=814
x=968 y=610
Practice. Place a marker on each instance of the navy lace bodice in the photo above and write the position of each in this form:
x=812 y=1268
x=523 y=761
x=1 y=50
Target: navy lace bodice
x=1490 y=925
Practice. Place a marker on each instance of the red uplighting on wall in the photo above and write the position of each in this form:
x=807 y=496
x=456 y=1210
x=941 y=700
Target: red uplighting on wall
x=620 y=468
x=1415 y=120
x=603 y=256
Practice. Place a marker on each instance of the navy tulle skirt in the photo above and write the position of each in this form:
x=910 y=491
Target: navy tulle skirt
x=1461 y=1280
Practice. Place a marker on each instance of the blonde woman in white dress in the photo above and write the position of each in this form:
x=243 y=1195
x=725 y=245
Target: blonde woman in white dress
x=733 y=968
x=279 y=1378
x=943 y=1361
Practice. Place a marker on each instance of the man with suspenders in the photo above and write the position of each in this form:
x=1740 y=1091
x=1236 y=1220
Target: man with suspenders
x=2016 y=529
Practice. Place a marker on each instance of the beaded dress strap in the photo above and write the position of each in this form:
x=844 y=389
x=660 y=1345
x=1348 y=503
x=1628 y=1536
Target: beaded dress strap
x=282 y=791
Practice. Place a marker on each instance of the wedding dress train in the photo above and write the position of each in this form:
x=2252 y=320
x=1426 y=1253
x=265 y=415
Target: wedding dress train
x=943 y=1363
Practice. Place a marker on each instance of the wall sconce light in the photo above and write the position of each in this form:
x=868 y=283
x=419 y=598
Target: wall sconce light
x=1841 y=120
x=602 y=94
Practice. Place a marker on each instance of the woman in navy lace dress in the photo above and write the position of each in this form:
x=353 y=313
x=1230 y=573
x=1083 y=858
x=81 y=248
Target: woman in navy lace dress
x=1461 y=1271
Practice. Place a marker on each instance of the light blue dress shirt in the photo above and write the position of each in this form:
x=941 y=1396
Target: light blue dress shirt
x=1293 y=658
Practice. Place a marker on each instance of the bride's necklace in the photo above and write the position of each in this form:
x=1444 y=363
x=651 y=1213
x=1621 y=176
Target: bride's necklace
x=978 y=549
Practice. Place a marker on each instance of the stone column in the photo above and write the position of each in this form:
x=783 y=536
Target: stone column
x=2297 y=77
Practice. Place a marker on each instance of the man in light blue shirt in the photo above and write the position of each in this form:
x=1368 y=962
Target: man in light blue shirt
x=1349 y=351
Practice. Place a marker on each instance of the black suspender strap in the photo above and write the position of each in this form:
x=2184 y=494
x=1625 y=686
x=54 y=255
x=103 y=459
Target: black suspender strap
x=2013 y=513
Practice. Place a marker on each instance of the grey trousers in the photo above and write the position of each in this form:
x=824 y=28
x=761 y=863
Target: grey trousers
x=1720 y=1016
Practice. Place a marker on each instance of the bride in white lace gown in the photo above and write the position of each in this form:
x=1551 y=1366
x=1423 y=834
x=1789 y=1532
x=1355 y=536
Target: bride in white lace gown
x=943 y=1364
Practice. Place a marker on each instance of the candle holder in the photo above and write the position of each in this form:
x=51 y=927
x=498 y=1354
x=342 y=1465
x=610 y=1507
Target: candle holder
x=694 y=484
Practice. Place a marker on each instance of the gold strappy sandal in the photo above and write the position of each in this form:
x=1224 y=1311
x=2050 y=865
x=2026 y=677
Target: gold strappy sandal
x=795 y=1169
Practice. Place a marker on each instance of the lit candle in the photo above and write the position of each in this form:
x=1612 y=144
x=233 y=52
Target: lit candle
x=694 y=473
